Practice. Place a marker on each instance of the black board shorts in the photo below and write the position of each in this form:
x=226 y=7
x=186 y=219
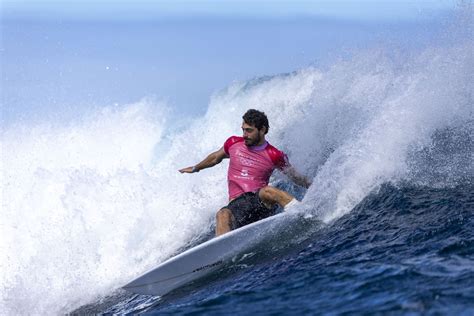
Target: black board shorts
x=248 y=208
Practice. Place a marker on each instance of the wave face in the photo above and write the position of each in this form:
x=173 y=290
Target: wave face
x=91 y=204
x=402 y=250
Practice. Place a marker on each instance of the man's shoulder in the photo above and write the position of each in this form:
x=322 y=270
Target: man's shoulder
x=231 y=141
x=272 y=149
x=278 y=157
x=235 y=139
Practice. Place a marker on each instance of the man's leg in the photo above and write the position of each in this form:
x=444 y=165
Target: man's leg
x=270 y=195
x=224 y=220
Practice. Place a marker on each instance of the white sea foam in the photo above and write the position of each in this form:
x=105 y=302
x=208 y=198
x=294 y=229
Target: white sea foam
x=82 y=212
x=89 y=205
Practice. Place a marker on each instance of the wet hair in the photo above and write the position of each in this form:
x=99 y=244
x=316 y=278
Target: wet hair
x=257 y=119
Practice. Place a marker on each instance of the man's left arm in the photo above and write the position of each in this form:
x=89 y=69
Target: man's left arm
x=296 y=177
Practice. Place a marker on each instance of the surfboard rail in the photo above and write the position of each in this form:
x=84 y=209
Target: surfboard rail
x=211 y=255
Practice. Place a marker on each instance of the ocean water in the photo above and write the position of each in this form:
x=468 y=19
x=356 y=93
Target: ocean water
x=386 y=135
x=402 y=250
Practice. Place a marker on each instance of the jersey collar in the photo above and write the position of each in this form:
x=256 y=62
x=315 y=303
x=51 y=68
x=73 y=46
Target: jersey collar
x=259 y=147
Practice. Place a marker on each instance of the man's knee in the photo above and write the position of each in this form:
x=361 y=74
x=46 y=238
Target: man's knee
x=224 y=214
x=268 y=193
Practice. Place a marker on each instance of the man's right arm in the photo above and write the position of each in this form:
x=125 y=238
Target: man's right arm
x=210 y=161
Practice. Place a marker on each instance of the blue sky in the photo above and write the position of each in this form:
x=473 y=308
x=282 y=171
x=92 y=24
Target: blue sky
x=68 y=56
x=143 y=9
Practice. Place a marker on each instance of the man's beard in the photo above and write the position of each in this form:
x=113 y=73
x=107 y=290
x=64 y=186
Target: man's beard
x=253 y=142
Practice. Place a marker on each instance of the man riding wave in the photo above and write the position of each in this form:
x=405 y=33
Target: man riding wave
x=252 y=161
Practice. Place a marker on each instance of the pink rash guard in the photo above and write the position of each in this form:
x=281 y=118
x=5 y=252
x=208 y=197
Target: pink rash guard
x=250 y=168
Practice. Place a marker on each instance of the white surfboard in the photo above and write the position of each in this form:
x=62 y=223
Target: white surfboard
x=267 y=236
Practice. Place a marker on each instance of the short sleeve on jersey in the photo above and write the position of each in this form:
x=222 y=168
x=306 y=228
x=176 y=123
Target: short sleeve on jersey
x=279 y=158
x=231 y=141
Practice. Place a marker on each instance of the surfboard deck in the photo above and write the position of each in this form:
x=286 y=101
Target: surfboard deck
x=265 y=237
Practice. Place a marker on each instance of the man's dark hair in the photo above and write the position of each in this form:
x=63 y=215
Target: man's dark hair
x=257 y=119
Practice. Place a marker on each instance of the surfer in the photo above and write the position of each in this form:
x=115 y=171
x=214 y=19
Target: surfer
x=252 y=161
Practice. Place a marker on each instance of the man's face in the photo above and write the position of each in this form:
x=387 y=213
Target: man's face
x=252 y=136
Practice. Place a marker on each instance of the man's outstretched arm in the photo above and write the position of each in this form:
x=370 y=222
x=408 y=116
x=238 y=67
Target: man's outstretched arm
x=210 y=161
x=296 y=177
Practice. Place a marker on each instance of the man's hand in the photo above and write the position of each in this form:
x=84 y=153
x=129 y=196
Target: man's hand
x=211 y=160
x=188 y=170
